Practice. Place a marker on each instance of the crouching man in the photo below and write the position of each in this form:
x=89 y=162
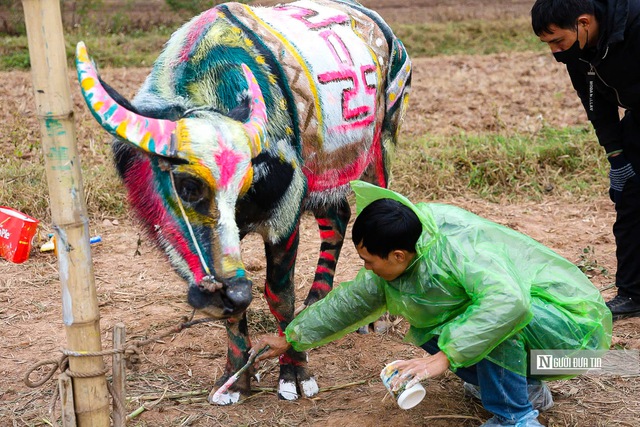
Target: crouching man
x=478 y=297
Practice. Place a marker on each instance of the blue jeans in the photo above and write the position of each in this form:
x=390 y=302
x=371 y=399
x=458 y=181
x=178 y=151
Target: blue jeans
x=503 y=392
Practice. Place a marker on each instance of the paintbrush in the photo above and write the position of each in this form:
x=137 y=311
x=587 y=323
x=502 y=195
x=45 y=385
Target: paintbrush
x=233 y=378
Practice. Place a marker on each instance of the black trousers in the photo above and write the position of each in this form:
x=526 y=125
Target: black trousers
x=626 y=228
x=626 y=231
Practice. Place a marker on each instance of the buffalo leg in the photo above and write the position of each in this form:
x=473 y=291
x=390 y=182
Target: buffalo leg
x=237 y=356
x=280 y=295
x=332 y=223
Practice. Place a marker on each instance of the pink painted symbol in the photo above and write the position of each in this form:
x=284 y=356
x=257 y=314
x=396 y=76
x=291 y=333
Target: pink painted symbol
x=313 y=19
x=358 y=96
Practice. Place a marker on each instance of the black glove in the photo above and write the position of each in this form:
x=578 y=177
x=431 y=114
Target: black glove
x=621 y=171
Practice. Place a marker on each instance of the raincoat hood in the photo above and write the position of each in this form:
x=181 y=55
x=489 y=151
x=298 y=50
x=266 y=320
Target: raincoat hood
x=367 y=193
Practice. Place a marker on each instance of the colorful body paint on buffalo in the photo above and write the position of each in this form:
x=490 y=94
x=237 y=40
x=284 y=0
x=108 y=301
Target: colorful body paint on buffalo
x=250 y=117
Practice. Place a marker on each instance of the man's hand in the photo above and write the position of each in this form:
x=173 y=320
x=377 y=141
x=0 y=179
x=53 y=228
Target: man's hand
x=277 y=346
x=413 y=371
x=621 y=171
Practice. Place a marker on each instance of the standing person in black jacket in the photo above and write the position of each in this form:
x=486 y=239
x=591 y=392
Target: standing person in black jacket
x=599 y=41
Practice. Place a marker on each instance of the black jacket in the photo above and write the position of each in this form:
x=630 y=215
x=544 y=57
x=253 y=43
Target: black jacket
x=611 y=71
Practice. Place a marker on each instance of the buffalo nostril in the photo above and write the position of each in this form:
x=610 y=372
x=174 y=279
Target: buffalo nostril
x=228 y=306
x=237 y=294
x=238 y=297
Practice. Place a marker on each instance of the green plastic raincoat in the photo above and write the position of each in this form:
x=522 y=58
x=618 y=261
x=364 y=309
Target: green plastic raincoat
x=486 y=290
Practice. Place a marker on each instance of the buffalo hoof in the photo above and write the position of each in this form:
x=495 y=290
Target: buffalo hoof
x=227 y=398
x=295 y=380
x=287 y=390
x=309 y=387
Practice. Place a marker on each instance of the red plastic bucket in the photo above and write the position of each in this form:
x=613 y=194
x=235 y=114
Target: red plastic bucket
x=16 y=234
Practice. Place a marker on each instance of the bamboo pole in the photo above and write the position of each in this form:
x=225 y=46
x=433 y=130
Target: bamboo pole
x=54 y=108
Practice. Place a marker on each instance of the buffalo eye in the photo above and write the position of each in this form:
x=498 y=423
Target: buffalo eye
x=190 y=189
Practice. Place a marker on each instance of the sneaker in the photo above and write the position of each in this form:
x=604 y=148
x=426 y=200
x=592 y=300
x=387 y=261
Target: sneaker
x=539 y=395
x=529 y=420
x=622 y=307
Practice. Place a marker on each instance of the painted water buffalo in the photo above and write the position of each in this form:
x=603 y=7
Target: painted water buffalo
x=250 y=117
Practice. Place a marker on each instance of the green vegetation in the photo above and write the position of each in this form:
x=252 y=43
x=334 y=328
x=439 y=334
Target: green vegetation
x=495 y=166
x=589 y=264
x=114 y=50
x=469 y=37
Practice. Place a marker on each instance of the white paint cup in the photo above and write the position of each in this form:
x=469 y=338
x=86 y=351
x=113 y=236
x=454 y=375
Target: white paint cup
x=406 y=398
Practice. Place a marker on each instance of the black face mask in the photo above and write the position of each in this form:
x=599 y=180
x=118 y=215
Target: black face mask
x=570 y=55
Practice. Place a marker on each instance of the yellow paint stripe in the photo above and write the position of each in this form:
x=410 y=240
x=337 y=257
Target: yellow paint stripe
x=145 y=141
x=246 y=183
x=307 y=72
x=87 y=83
x=183 y=136
x=122 y=129
x=200 y=169
x=83 y=55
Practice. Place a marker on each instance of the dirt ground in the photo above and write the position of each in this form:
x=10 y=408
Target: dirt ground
x=515 y=92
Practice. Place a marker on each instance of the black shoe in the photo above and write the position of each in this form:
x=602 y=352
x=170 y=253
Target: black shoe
x=622 y=307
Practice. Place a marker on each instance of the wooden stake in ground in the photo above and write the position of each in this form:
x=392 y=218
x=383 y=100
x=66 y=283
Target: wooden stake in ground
x=119 y=376
x=65 y=389
x=68 y=211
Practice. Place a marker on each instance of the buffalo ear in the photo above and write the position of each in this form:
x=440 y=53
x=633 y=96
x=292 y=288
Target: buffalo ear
x=171 y=112
x=242 y=111
x=117 y=97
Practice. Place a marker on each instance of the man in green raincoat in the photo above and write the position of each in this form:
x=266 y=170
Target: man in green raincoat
x=478 y=297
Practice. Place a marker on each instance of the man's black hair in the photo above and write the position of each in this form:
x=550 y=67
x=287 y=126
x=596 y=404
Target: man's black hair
x=386 y=225
x=561 y=13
